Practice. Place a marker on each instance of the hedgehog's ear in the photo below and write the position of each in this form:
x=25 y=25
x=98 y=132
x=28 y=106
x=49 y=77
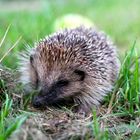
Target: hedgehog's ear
x=80 y=73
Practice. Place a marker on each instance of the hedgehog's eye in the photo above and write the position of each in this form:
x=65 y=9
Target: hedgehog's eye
x=62 y=83
x=80 y=73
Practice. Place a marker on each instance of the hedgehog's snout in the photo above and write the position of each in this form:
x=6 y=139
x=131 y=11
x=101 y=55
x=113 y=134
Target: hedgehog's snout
x=37 y=102
x=56 y=93
x=39 y=99
x=46 y=97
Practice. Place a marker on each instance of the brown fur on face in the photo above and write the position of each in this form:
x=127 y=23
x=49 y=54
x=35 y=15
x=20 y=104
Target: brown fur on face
x=79 y=64
x=56 y=80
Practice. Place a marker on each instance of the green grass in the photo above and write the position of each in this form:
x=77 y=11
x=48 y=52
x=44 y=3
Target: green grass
x=127 y=88
x=120 y=19
x=124 y=102
x=9 y=123
x=130 y=84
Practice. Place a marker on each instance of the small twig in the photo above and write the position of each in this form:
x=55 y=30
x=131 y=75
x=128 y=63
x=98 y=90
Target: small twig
x=16 y=95
x=89 y=117
x=10 y=49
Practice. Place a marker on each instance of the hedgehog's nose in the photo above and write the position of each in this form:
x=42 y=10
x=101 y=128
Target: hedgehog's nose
x=36 y=103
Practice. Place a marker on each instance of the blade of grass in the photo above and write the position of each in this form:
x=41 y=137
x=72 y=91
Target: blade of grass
x=18 y=122
x=4 y=113
x=10 y=49
x=96 y=128
x=6 y=32
x=7 y=106
x=6 y=127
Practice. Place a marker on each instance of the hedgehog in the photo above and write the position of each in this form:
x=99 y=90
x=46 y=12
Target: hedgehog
x=78 y=65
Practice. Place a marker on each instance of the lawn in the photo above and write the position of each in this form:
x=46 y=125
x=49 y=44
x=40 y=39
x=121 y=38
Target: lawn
x=33 y=20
